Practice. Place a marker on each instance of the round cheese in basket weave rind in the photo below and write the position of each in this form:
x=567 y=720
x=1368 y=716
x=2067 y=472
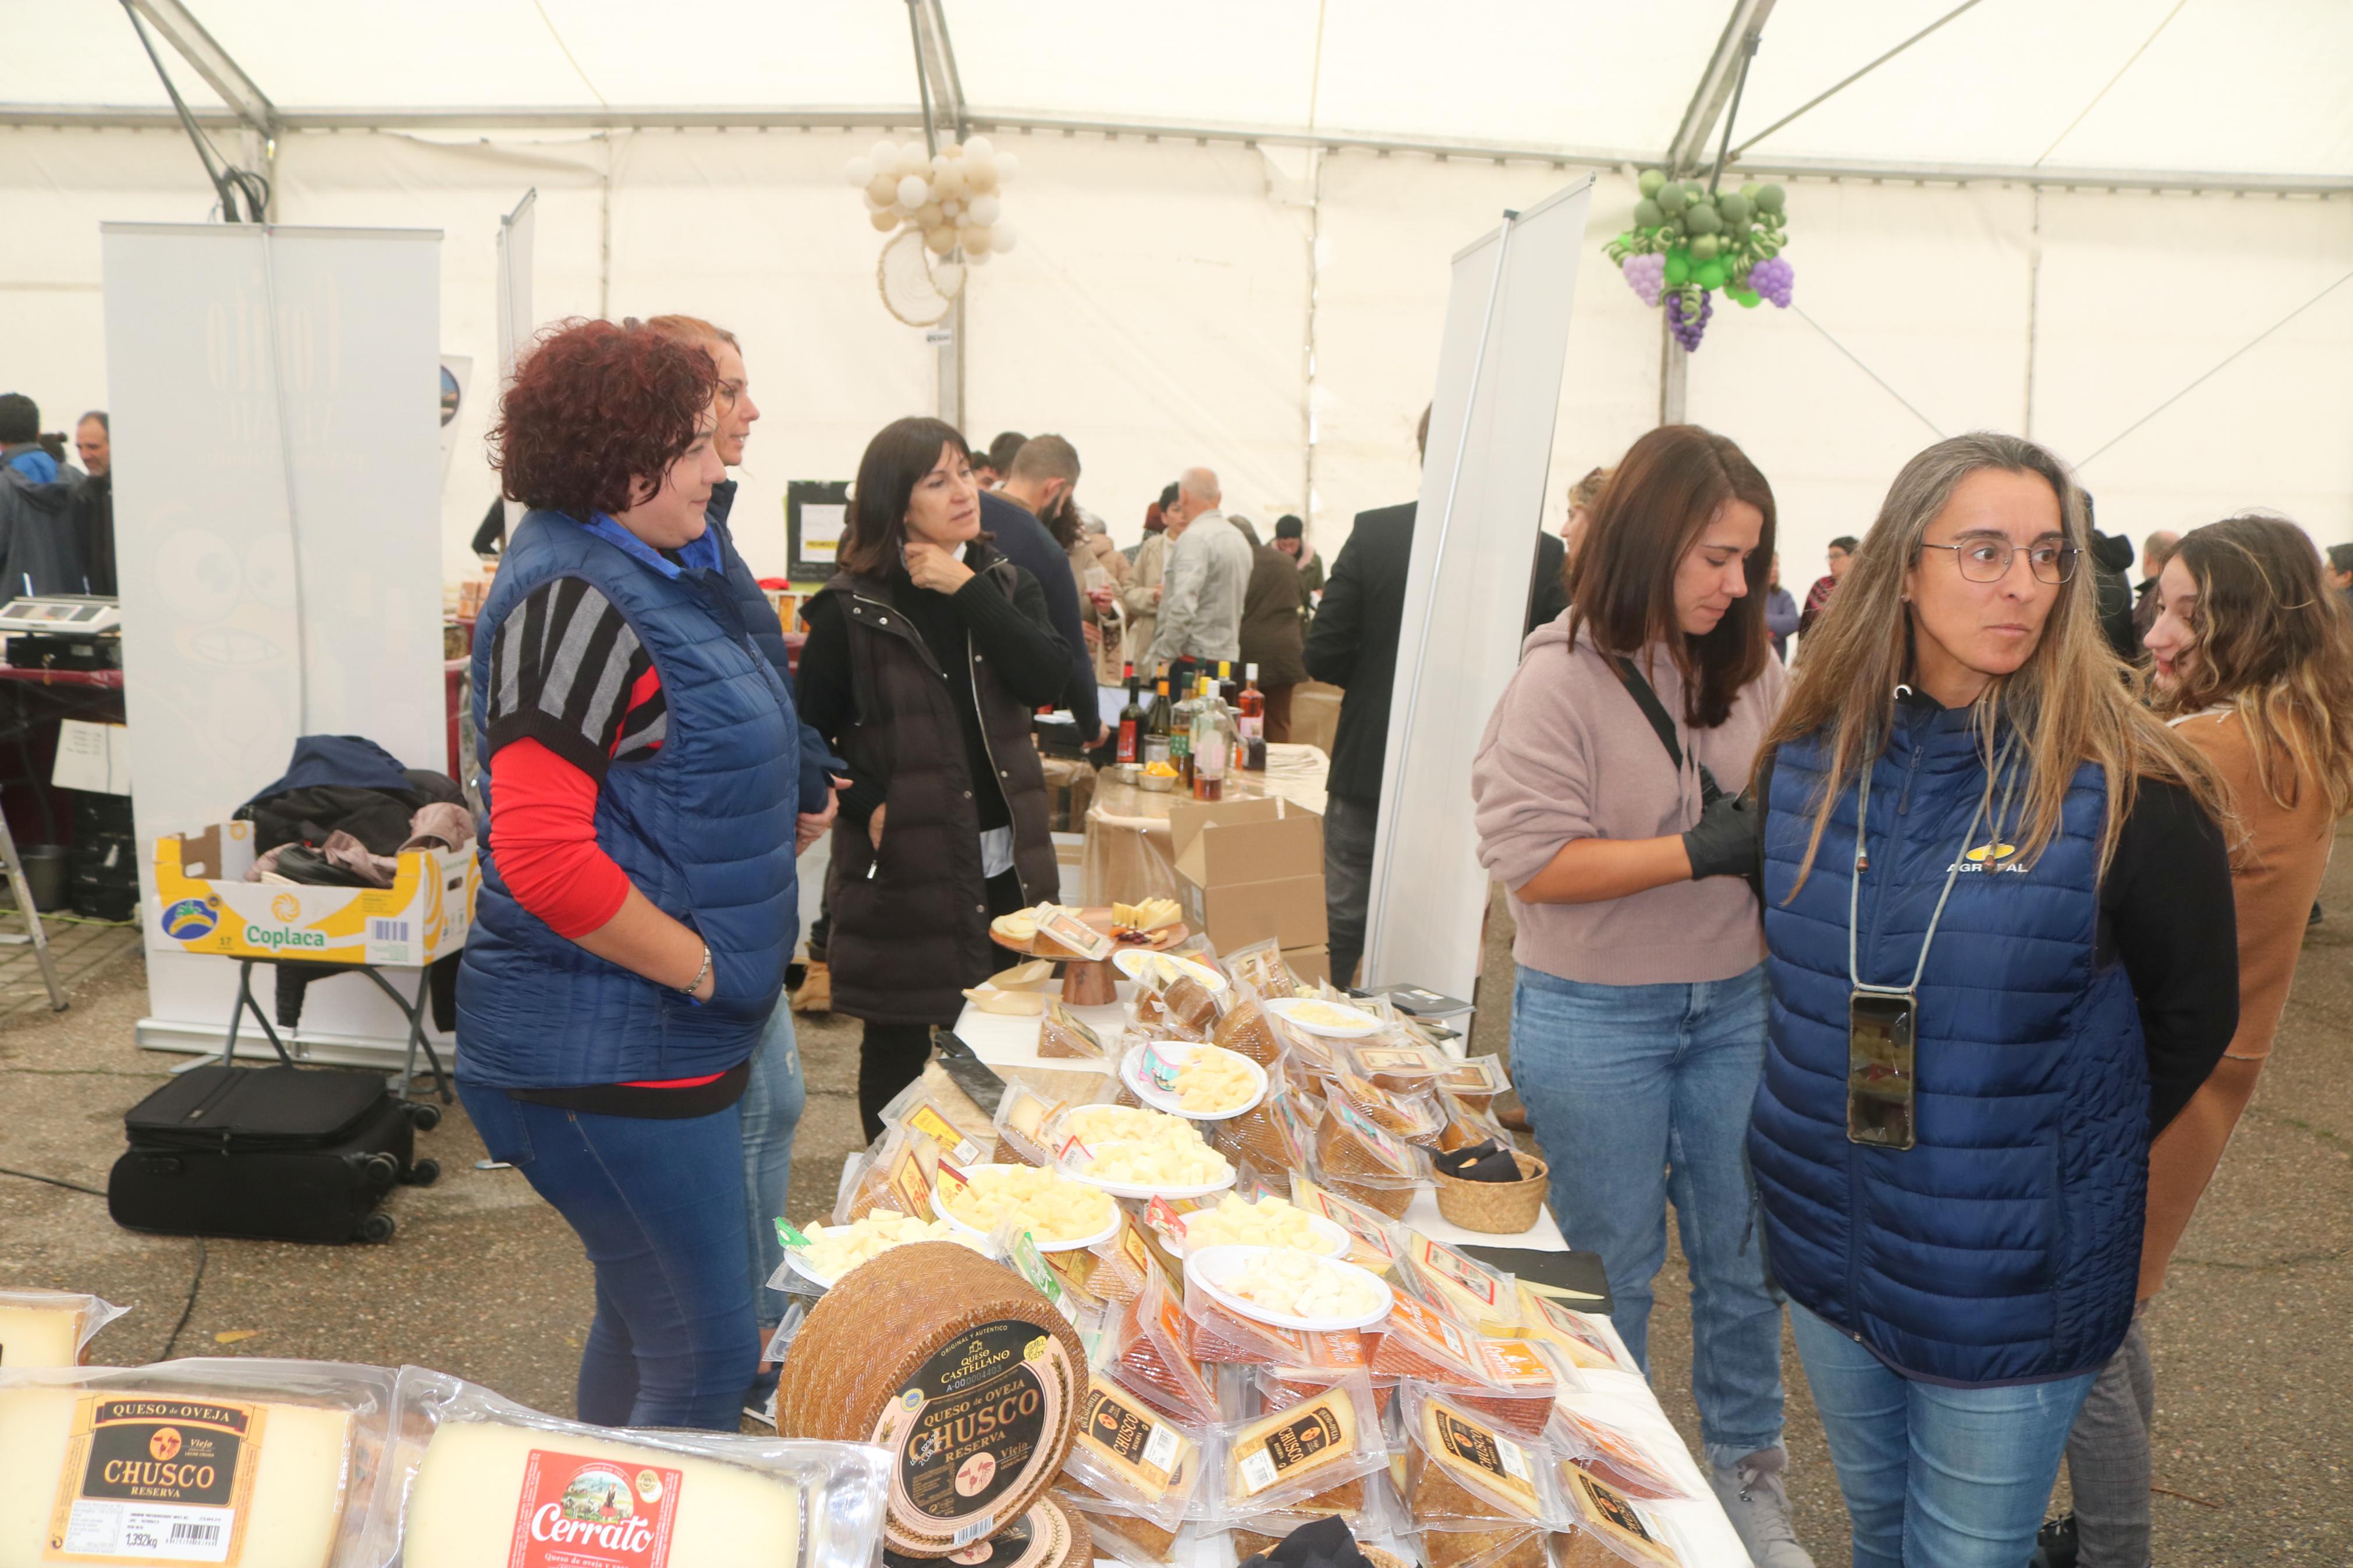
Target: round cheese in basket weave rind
x=971 y=1378
x=1048 y=1536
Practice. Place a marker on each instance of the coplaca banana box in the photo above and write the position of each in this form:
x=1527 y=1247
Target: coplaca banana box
x=204 y=904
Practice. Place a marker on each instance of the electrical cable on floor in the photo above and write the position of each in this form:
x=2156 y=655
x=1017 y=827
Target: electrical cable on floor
x=195 y=1284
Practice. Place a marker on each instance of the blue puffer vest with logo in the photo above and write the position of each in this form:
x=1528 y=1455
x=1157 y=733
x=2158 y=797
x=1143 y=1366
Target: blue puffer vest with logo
x=2004 y=1247
x=703 y=829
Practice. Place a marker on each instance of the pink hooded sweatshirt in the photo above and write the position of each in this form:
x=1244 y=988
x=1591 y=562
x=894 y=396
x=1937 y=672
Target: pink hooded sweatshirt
x=1567 y=754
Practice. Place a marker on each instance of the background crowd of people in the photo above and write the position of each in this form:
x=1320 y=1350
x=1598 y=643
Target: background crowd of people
x=56 y=517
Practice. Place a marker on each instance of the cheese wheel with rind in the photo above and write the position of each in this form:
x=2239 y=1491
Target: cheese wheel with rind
x=463 y=1511
x=293 y=1512
x=969 y=1377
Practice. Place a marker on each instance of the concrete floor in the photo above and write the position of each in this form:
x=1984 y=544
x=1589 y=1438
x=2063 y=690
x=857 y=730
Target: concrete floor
x=483 y=1280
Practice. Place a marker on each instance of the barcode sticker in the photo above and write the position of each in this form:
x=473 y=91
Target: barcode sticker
x=148 y=1532
x=1160 y=1449
x=1258 y=1472
x=380 y=929
x=1514 y=1457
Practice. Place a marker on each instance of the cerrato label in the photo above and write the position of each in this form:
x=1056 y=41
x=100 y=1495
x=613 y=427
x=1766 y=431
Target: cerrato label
x=578 y=1512
x=155 y=1480
x=975 y=1424
x=1039 y=1537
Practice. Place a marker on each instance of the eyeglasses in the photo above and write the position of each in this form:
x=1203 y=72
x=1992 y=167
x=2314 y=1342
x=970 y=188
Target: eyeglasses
x=1988 y=559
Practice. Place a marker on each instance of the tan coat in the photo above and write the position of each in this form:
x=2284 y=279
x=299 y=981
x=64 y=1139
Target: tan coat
x=1105 y=638
x=2278 y=859
x=1140 y=598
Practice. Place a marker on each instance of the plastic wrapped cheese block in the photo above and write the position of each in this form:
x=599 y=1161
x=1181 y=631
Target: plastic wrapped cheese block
x=49 y=1328
x=1312 y=1456
x=968 y=1377
x=1062 y=1034
x=482 y=1482
x=1129 y=1453
x=1611 y=1527
x=1478 y=1495
x=253 y=1464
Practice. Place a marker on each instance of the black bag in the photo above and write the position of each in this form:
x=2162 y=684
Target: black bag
x=273 y=1152
x=1663 y=727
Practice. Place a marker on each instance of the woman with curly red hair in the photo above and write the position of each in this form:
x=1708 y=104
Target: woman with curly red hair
x=644 y=764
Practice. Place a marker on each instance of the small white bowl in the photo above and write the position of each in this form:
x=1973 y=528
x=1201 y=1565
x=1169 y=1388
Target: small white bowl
x=1212 y=1266
x=1078 y=1172
x=1132 y=1073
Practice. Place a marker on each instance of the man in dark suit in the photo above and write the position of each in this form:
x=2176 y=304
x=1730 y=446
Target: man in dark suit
x=1353 y=644
x=1010 y=518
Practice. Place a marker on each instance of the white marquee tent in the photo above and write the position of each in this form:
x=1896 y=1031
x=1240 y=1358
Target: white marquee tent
x=2113 y=224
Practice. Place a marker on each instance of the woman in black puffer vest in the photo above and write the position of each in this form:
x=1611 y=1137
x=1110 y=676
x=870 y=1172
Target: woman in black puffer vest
x=926 y=655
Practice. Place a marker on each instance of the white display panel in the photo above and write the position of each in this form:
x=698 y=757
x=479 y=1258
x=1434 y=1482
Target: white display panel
x=280 y=571
x=1483 y=490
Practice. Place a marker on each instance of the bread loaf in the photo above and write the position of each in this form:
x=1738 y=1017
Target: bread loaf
x=967 y=1375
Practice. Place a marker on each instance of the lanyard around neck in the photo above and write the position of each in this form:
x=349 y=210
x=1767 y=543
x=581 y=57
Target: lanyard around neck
x=2005 y=769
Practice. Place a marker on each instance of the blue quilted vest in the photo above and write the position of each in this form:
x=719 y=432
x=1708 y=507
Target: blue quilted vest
x=704 y=829
x=2004 y=1247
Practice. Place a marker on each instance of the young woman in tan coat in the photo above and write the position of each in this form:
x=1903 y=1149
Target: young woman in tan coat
x=2253 y=666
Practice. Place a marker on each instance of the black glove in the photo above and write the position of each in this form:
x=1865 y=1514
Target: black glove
x=1728 y=839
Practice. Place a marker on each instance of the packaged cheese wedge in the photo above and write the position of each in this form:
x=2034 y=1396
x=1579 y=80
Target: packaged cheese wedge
x=1610 y=1528
x=49 y=1328
x=1126 y=1452
x=478 y=1481
x=1455 y=1282
x=1478 y=1495
x=1317 y=1456
x=251 y=1463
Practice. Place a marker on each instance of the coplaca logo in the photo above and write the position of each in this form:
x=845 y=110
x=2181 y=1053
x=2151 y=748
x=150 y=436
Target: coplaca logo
x=286 y=906
x=190 y=919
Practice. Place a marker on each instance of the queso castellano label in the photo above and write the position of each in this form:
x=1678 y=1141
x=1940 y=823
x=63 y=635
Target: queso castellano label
x=160 y=1480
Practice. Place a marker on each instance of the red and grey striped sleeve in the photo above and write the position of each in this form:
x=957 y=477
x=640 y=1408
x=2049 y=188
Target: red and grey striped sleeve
x=567 y=670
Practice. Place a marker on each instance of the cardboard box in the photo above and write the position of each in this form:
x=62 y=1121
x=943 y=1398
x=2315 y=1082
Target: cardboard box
x=1250 y=870
x=204 y=904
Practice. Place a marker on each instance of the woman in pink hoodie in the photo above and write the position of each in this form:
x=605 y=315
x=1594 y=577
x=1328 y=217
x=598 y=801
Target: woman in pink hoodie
x=1637 y=1021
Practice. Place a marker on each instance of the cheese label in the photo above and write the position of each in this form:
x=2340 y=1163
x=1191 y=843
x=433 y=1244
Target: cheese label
x=1145 y=1451
x=1501 y=1463
x=1304 y=1434
x=1385 y=1148
x=579 y=1512
x=155 y=1480
x=909 y=1183
x=976 y=1423
x=928 y=1121
x=1480 y=1284
x=1614 y=1516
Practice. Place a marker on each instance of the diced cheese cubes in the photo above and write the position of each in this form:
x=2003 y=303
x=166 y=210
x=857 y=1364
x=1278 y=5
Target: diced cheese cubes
x=1295 y=1285
x=1096 y=1125
x=1214 y=1081
x=1269 y=1222
x=835 y=1249
x=1053 y=1208
x=1134 y=1163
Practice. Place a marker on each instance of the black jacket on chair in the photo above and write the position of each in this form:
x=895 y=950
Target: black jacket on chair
x=1353 y=643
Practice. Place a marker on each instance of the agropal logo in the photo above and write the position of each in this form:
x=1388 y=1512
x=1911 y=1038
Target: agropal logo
x=1996 y=855
x=286 y=907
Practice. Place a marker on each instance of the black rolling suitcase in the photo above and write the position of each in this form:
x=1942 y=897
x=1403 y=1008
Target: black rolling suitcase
x=273 y=1152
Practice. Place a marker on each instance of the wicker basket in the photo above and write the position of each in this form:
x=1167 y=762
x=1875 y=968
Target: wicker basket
x=1495 y=1208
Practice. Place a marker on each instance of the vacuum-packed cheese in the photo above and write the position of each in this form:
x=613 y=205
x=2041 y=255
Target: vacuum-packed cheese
x=41 y=1335
x=126 y=1476
x=487 y=1491
x=970 y=1378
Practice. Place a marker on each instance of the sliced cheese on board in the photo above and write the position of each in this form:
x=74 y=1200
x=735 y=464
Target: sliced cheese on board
x=127 y=1477
x=487 y=1490
x=969 y=1377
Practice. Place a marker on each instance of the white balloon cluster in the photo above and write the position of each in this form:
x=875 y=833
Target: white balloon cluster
x=950 y=197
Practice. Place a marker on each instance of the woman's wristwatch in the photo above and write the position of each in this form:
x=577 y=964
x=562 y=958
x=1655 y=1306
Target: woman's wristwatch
x=695 y=984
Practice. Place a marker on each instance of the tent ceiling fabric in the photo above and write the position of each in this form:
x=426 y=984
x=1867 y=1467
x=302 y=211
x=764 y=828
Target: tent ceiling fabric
x=2172 y=87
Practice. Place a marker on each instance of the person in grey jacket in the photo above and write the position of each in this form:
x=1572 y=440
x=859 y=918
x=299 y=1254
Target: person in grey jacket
x=1208 y=576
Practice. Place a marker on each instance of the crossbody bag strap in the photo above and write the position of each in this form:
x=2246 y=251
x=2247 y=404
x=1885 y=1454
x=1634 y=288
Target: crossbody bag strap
x=1647 y=702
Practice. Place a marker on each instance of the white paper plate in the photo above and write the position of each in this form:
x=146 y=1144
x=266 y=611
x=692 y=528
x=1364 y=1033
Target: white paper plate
x=1132 y=1073
x=1213 y=1265
x=1078 y=1173
x=1335 y=1239
x=1284 y=1007
x=1132 y=962
x=1083 y=1242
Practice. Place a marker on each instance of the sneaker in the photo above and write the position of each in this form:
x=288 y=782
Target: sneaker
x=1758 y=1506
x=2054 y=1545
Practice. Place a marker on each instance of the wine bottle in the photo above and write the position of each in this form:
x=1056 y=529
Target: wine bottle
x=1131 y=720
x=1180 y=729
x=1213 y=744
x=1251 y=722
x=1156 y=721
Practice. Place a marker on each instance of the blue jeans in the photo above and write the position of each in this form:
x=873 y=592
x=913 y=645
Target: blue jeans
x=1639 y=1094
x=771 y=1107
x=1936 y=1477
x=659 y=1206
